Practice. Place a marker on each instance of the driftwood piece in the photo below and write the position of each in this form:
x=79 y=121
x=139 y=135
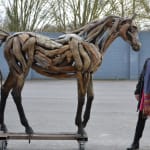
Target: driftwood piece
x=89 y=27
x=94 y=31
x=54 y=52
x=110 y=35
x=94 y=55
x=30 y=52
x=85 y=57
x=65 y=38
x=12 y=62
x=47 y=63
x=108 y=41
x=97 y=30
x=58 y=59
x=75 y=52
x=46 y=42
x=97 y=56
x=42 y=59
x=29 y=46
x=63 y=69
x=64 y=58
x=47 y=73
x=123 y=30
x=18 y=55
x=23 y=37
x=69 y=56
x=62 y=41
x=7 y=47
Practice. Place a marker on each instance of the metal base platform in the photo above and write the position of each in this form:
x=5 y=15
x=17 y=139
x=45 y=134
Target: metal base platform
x=4 y=137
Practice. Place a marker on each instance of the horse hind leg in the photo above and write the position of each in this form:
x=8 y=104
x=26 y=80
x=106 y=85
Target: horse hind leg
x=16 y=94
x=6 y=87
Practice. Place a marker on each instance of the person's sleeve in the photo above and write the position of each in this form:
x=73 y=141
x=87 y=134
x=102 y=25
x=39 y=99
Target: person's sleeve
x=147 y=79
x=138 y=86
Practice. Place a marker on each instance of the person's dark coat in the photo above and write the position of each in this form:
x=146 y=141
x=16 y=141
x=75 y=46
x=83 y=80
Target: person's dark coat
x=140 y=84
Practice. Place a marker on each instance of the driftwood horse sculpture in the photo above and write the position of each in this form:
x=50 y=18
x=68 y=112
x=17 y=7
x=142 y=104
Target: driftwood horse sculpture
x=77 y=55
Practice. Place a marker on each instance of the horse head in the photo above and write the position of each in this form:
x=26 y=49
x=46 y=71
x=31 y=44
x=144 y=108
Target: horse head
x=129 y=32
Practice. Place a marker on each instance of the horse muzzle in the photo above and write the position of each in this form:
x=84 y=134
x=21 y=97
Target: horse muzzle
x=137 y=46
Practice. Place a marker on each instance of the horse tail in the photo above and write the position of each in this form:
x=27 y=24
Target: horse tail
x=3 y=36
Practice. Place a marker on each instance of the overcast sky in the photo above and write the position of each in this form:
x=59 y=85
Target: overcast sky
x=2 y=11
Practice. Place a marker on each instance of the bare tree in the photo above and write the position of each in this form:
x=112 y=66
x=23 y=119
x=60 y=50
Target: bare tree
x=144 y=17
x=71 y=14
x=23 y=15
x=64 y=15
x=75 y=13
x=128 y=8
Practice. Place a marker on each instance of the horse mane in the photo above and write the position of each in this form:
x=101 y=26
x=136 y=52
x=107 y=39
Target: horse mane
x=95 y=28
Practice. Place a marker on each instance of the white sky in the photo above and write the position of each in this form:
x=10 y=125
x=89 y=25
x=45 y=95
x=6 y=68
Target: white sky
x=2 y=15
x=2 y=11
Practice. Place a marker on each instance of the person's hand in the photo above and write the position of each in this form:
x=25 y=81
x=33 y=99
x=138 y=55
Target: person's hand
x=137 y=96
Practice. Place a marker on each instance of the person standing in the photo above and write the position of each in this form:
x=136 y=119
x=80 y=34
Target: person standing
x=142 y=94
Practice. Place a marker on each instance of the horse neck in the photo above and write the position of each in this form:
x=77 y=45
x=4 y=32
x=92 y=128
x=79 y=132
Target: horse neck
x=104 y=41
x=101 y=35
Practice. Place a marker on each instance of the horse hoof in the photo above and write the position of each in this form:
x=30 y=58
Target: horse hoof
x=29 y=130
x=3 y=128
x=81 y=131
x=84 y=124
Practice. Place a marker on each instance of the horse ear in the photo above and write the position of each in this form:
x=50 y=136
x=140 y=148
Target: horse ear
x=110 y=22
x=133 y=17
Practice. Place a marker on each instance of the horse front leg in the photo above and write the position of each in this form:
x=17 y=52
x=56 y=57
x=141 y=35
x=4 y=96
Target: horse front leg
x=81 y=100
x=90 y=98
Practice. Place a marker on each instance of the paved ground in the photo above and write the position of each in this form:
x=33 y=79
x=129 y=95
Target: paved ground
x=50 y=106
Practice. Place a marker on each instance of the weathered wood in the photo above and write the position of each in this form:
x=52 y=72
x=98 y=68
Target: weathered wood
x=42 y=59
x=46 y=42
x=23 y=37
x=94 y=32
x=75 y=52
x=17 y=53
x=58 y=59
x=42 y=136
x=9 y=56
x=108 y=41
x=94 y=55
x=52 y=53
x=49 y=73
x=123 y=30
x=63 y=69
x=85 y=58
x=30 y=50
x=69 y=56
x=62 y=41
